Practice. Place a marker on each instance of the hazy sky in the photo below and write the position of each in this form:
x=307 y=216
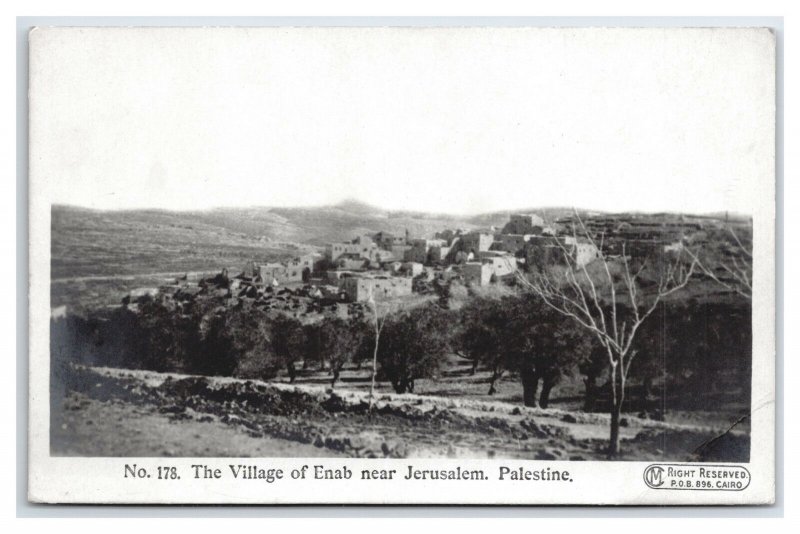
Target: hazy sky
x=455 y=120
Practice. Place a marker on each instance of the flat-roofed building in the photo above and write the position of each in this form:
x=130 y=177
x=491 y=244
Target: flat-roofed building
x=363 y=246
x=361 y=288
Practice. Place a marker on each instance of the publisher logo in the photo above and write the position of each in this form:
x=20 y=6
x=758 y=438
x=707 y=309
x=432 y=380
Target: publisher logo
x=696 y=477
x=654 y=476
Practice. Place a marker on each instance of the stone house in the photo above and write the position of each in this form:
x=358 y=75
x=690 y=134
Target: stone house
x=477 y=273
x=386 y=241
x=352 y=262
x=360 y=288
x=413 y=268
x=281 y=273
x=363 y=246
x=476 y=242
x=542 y=251
x=422 y=250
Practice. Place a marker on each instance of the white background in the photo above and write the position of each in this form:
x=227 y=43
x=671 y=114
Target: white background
x=458 y=120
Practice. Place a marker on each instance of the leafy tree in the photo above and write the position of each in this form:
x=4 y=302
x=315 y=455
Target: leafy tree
x=413 y=345
x=252 y=330
x=541 y=345
x=366 y=336
x=289 y=341
x=712 y=345
x=216 y=355
x=339 y=341
x=484 y=323
x=592 y=368
x=164 y=339
x=312 y=348
x=521 y=334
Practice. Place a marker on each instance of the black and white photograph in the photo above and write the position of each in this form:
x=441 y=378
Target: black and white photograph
x=435 y=249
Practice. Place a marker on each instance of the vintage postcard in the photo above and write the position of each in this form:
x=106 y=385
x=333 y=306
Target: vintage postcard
x=451 y=265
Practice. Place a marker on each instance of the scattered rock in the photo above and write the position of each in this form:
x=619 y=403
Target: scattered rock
x=335 y=403
x=183 y=416
x=569 y=418
x=395 y=449
x=516 y=434
x=546 y=454
x=533 y=429
x=231 y=419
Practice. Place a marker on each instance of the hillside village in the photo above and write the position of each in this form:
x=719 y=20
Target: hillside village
x=386 y=266
x=452 y=328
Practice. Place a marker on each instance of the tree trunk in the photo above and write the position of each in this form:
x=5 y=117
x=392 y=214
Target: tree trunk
x=374 y=368
x=530 y=383
x=474 y=367
x=613 y=440
x=496 y=374
x=618 y=383
x=335 y=377
x=547 y=387
x=292 y=373
x=647 y=390
x=591 y=392
x=400 y=385
x=410 y=386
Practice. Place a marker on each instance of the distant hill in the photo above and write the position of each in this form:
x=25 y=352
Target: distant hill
x=88 y=242
x=314 y=226
x=97 y=255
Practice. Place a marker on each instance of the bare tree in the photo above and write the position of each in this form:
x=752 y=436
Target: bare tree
x=379 y=315
x=737 y=263
x=612 y=308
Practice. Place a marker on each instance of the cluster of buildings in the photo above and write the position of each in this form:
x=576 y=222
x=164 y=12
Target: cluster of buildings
x=384 y=265
x=256 y=286
x=387 y=266
x=638 y=236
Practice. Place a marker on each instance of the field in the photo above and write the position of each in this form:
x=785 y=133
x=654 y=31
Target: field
x=97 y=257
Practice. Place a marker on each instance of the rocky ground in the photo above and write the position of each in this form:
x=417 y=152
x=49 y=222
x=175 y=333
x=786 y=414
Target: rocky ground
x=119 y=412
